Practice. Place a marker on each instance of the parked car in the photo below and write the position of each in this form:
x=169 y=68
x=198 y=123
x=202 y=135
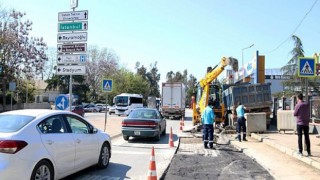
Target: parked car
x=102 y=107
x=50 y=144
x=78 y=110
x=91 y=108
x=144 y=122
x=112 y=109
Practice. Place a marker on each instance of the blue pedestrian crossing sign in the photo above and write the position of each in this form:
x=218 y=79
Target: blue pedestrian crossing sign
x=62 y=102
x=107 y=85
x=307 y=67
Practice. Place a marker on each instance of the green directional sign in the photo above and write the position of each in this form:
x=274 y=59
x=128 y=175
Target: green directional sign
x=73 y=26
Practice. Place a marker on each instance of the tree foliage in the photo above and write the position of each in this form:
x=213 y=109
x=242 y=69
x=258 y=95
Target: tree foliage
x=102 y=64
x=190 y=83
x=21 y=56
x=291 y=69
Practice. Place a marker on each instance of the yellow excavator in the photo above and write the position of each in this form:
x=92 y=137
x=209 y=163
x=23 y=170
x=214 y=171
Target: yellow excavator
x=207 y=89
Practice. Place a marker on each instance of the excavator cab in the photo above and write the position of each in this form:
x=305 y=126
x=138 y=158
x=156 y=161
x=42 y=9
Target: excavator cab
x=218 y=107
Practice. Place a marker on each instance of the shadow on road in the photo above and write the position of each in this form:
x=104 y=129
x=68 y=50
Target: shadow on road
x=113 y=171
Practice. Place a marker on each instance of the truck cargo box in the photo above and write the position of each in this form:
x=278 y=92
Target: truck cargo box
x=254 y=96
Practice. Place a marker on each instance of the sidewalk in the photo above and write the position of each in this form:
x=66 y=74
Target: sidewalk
x=277 y=152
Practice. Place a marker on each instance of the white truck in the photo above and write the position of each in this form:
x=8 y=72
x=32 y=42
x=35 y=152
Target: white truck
x=173 y=100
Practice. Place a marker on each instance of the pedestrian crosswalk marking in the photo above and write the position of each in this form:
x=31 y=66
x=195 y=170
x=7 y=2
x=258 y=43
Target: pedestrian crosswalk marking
x=306 y=69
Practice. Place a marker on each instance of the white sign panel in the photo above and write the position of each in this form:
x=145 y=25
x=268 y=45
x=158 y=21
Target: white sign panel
x=73 y=3
x=72 y=37
x=73 y=16
x=72 y=59
x=71 y=48
x=71 y=70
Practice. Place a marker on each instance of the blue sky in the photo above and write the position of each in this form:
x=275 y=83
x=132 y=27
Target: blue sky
x=185 y=34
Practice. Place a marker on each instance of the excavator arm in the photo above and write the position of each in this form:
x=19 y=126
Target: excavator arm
x=204 y=83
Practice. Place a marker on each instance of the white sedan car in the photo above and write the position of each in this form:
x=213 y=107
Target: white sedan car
x=49 y=144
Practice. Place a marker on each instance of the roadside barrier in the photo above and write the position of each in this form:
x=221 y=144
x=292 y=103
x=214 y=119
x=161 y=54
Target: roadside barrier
x=152 y=172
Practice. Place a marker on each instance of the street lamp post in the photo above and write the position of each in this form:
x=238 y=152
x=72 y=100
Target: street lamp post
x=243 y=79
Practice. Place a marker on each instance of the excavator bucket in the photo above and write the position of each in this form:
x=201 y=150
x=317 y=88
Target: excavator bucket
x=233 y=62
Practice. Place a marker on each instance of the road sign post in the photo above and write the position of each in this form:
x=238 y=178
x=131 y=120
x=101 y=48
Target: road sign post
x=71 y=70
x=307 y=68
x=72 y=37
x=62 y=102
x=73 y=16
x=73 y=26
x=107 y=85
x=72 y=48
x=71 y=59
x=69 y=63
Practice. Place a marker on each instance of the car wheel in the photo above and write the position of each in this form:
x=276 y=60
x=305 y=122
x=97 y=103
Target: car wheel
x=104 y=157
x=164 y=131
x=158 y=137
x=126 y=137
x=43 y=170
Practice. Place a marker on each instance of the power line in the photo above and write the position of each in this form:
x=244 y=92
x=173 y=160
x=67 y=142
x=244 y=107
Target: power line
x=297 y=27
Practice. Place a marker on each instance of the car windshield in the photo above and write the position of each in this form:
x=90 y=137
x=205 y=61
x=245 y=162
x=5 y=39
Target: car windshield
x=13 y=123
x=143 y=114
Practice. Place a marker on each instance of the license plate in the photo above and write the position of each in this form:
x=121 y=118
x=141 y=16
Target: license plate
x=136 y=133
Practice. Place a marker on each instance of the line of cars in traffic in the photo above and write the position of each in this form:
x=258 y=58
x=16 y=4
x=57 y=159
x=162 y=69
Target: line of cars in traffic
x=82 y=109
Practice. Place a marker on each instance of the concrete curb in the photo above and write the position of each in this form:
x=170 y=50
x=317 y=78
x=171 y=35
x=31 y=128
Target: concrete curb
x=289 y=151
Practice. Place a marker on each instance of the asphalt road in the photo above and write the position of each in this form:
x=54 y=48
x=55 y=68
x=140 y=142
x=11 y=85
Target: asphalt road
x=130 y=159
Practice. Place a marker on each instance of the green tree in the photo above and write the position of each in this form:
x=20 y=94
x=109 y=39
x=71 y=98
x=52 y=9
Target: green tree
x=21 y=56
x=152 y=77
x=125 y=81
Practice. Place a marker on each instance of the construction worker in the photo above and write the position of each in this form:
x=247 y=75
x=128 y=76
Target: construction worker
x=207 y=119
x=241 y=122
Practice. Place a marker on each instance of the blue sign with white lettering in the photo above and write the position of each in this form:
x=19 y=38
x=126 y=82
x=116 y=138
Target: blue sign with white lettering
x=307 y=67
x=107 y=85
x=62 y=102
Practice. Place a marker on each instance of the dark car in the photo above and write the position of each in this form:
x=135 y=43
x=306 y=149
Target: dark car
x=144 y=122
x=78 y=110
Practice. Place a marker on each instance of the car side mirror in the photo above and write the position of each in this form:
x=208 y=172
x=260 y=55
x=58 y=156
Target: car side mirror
x=94 y=130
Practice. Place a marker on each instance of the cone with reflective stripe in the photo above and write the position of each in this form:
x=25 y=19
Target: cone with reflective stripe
x=180 y=124
x=171 y=139
x=152 y=173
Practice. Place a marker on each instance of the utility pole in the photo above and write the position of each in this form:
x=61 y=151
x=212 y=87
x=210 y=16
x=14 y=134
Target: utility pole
x=244 y=79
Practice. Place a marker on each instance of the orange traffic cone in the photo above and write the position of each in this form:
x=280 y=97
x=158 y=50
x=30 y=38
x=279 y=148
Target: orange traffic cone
x=152 y=173
x=180 y=124
x=182 y=121
x=171 y=139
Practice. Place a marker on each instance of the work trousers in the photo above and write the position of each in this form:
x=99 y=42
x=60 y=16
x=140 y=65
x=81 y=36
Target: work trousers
x=241 y=125
x=208 y=135
x=305 y=130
